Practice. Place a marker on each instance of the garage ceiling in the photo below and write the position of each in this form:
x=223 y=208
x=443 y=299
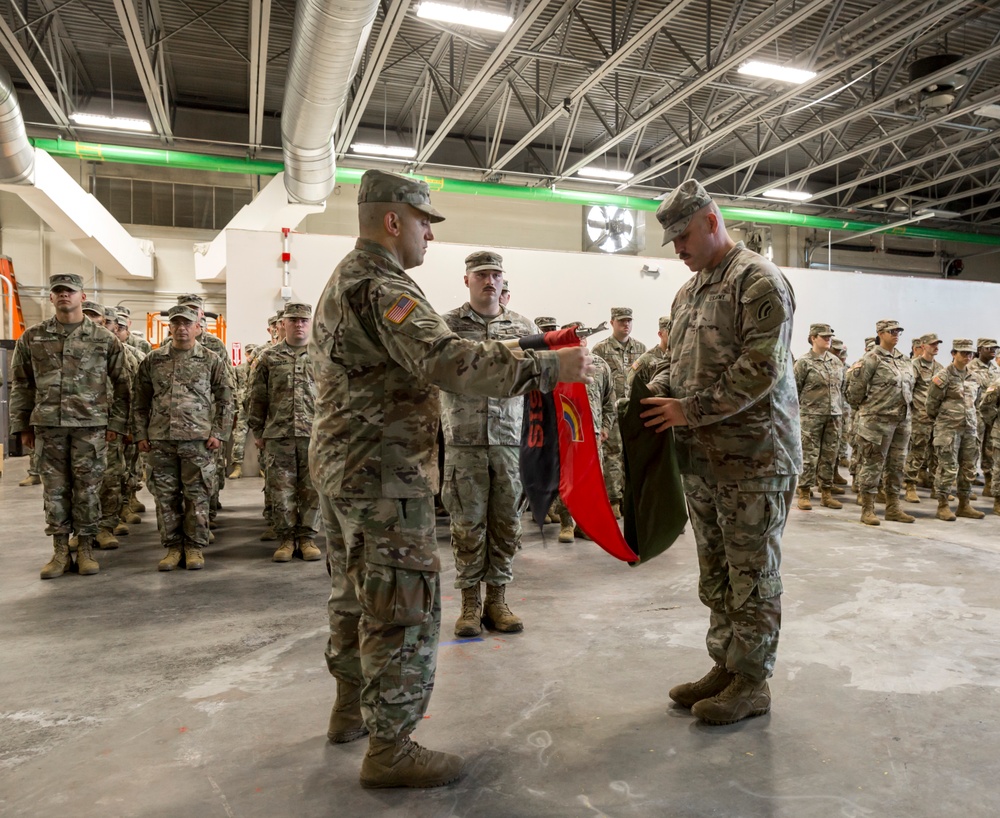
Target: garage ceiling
x=641 y=85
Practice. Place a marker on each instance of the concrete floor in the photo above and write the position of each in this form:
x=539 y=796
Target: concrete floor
x=136 y=693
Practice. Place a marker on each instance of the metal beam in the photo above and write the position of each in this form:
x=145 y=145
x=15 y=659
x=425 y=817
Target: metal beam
x=20 y=57
x=128 y=16
x=260 y=30
x=882 y=228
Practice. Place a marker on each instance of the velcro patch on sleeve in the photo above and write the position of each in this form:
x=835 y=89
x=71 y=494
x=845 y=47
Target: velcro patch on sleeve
x=400 y=309
x=938 y=381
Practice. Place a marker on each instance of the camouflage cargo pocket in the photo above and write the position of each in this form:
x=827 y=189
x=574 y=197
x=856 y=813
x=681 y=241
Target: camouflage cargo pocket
x=397 y=596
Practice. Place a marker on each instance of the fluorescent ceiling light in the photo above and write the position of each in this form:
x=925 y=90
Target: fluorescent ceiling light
x=395 y=151
x=992 y=111
x=610 y=175
x=756 y=68
x=787 y=195
x=120 y=123
x=446 y=13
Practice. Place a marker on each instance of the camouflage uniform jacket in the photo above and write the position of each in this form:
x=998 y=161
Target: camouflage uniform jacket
x=215 y=345
x=282 y=393
x=140 y=345
x=476 y=420
x=883 y=385
x=68 y=379
x=820 y=383
x=923 y=371
x=620 y=358
x=643 y=368
x=989 y=404
x=601 y=395
x=952 y=399
x=984 y=373
x=728 y=362
x=181 y=395
x=380 y=356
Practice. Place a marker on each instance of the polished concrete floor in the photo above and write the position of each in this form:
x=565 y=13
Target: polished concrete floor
x=191 y=694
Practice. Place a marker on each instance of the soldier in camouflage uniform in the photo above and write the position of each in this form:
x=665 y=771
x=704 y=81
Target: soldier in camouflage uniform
x=380 y=355
x=482 y=480
x=984 y=368
x=241 y=397
x=988 y=411
x=882 y=392
x=138 y=343
x=819 y=380
x=282 y=405
x=620 y=351
x=951 y=403
x=131 y=506
x=645 y=365
x=921 y=427
x=734 y=410
x=852 y=431
x=182 y=410
x=69 y=397
x=838 y=348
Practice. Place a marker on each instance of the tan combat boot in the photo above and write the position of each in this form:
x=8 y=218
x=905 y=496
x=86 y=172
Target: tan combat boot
x=74 y=542
x=122 y=529
x=496 y=614
x=31 y=480
x=880 y=497
x=193 y=557
x=237 y=472
x=468 y=622
x=966 y=510
x=944 y=512
x=711 y=684
x=85 y=562
x=894 y=513
x=565 y=527
x=988 y=488
x=868 y=510
x=924 y=479
x=741 y=700
x=309 y=550
x=838 y=480
x=805 y=503
x=285 y=551
x=616 y=509
x=835 y=489
x=172 y=559
x=61 y=561
x=404 y=763
x=911 y=493
x=826 y=498
x=346 y=722
x=268 y=535
x=106 y=539
x=136 y=505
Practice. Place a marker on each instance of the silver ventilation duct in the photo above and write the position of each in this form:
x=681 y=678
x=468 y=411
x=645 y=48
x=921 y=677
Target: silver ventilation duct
x=17 y=157
x=328 y=41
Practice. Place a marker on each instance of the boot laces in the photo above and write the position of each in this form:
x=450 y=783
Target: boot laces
x=737 y=688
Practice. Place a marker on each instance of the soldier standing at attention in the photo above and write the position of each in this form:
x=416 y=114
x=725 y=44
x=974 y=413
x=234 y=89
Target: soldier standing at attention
x=380 y=355
x=242 y=393
x=951 y=403
x=819 y=380
x=139 y=344
x=69 y=397
x=921 y=427
x=984 y=368
x=838 y=348
x=482 y=480
x=730 y=398
x=882 y=391
x=620 y=351
x=505 y=293
x=282 y=407
x=131 y=507
x=645 y=365
x=182 y=411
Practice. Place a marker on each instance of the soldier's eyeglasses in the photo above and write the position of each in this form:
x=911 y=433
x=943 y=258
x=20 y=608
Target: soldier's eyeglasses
x=895 y=331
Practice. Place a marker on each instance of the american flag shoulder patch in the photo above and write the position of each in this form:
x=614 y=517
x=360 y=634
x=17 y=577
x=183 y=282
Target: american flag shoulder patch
x=401 y=309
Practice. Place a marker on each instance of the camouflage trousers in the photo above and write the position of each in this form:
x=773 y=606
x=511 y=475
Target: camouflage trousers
x=33 y=462
x=820 y=446
x=264 y=460
x=986 y=450
x=614 y=465
x=240 y=429
x=181 y=479
x=384 y=606
x=919 y=454
x=882 y=444
x=296 y=505
x=481 y=489
x=71 y=467
x=111 y=485
x=845 y=433
x=737 y=528
x=218 y=479
x=957 y=452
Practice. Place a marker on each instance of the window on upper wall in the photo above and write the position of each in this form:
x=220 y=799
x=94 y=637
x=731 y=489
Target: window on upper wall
x=170 y=204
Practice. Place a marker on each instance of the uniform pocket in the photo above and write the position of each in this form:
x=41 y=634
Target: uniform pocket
x=397 y=596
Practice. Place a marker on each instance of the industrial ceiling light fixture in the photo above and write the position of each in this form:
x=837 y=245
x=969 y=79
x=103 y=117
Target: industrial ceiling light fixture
x=771 y=71
x=787 y=195
x=604 y=174
x=474 y=18
x=992 y=111
x=392 y=151
x=118 y=123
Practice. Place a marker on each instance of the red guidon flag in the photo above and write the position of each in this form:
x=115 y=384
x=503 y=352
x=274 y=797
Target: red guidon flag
x=559 y=455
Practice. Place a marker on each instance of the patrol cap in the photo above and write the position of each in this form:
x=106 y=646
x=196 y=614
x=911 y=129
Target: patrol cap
x=183 y=311
x=69 y=280
x=111 y=315
x=121 y=319
x=125 y=310
x=94 y=307
x=191 y=299
x=675 y=212
x=621 y=312
x=887 y=324
x=930 y=338
x=985 y=342
x=572 y=325
x=484 y=260
x=272 y=320
x=837 y=345
x=665 y=322
x=251 y=348
x=295 y=309
x=870 y=342
x=506 y=287
x=280 y=313
x=963 y=345
x=820 y=329
x=394 y=188
x=546 y=322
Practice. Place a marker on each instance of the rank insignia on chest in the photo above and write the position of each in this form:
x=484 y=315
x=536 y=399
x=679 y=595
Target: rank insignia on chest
x=400 y=310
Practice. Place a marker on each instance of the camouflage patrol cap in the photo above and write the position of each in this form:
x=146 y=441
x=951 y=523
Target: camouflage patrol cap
x=94 y=307
x=183 y=311
x=69 y=280
x=272 y=320
x=963 y=345
x=484 y=260
x=295 y=309
x=887 y=324
x=280 y=313
x=675 y=212
x=126 y=310
x=870 y=342
x=621 y=312
x=837 y=345
x=121 y=319
x=572 y=325
x=820 y=329
x=546 y=322
x=111 y=315
x=394 y=188
x=986 y=342
x=506 y=286
x=191 y=300
x=665 y=322
x=930 y=338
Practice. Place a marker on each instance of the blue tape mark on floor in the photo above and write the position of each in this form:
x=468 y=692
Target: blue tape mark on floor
x=461 y=641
